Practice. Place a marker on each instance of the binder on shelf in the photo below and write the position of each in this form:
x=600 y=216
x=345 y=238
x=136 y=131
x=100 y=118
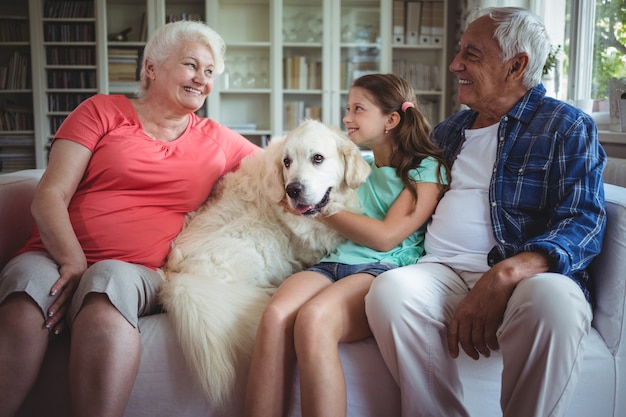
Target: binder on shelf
x=437 y=31
x=426 y=26
x=399 y=14
x=414 y=20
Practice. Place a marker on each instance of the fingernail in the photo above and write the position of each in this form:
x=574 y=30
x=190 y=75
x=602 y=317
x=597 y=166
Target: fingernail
x=50 y=313
x=53 y=292
x=57 y=331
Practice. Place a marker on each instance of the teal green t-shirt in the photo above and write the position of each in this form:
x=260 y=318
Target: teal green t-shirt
x=377 y=194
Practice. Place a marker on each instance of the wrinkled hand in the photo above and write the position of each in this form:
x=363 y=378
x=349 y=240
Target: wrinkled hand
x=478 y=316
x=64 y=288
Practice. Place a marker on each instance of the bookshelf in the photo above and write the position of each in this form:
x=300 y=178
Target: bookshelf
x=65 y=52
x=17 y=134
x=285 y=59
x=419 y=50
x=244 y=96
x=313 y=50
x=125 y=30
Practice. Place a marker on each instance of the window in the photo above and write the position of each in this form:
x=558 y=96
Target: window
x=589 y=50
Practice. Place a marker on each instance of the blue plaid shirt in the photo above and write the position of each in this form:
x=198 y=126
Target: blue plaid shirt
x=546 y=193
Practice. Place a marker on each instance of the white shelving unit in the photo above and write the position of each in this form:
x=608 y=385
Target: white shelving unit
x=64 y=60
x=334 y=41
x=17 y=118
x=285 y=58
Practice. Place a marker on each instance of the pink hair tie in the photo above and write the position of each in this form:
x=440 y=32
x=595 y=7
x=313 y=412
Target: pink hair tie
x=406 y=105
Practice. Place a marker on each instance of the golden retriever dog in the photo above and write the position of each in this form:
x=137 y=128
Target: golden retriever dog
x=236 y=249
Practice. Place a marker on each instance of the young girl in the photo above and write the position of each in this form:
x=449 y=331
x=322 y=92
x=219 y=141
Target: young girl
x=308 y=317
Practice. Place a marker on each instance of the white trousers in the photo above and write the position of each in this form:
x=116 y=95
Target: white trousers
x=541 y=340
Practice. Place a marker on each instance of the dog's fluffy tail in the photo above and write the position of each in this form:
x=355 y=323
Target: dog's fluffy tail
x=215 y=323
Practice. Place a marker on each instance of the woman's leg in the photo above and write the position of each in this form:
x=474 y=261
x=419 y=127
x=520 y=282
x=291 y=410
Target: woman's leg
x=271 y=367
x=23 y=344
x=104 y=359
x=105 y=343
x=25 y=296
x=336 y=314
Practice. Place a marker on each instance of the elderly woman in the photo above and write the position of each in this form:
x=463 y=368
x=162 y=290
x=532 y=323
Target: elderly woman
x=121 y=176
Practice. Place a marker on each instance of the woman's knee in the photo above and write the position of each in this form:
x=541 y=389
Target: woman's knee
x=129 y=288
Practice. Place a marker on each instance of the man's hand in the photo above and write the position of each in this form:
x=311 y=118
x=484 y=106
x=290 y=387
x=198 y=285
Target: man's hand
x=477 y=317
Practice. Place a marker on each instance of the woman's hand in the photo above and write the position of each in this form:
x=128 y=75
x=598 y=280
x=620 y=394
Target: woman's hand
x=64 y=287
x=66 y=166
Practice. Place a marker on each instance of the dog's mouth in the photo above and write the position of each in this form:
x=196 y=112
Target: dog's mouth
x=312 y=210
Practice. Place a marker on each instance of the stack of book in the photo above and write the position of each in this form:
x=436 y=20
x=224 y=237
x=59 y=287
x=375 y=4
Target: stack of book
x=123 y=65
x=299 y=73
x=16 y=75
x=16 y=118
x=13 y=29
x=297 y=111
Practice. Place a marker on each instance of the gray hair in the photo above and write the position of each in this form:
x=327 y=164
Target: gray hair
x=167 y=38
x=520 y=30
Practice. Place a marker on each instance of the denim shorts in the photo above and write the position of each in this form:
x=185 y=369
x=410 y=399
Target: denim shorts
x=335 y=271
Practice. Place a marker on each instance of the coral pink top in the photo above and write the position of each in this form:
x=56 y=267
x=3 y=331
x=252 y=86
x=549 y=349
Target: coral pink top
x=133 y=198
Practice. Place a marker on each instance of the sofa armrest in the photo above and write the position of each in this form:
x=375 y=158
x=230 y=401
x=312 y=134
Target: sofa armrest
x=608 y=271
x=16 y=222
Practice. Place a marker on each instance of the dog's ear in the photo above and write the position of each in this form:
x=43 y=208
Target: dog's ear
x=356 y=168
x=273 y=176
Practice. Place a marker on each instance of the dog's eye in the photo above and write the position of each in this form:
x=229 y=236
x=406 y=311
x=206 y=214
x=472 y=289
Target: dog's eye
x=286 y=162
x=317 y=159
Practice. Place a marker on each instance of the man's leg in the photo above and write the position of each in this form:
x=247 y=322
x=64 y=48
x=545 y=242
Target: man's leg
x=408 y=309
x=542 y=339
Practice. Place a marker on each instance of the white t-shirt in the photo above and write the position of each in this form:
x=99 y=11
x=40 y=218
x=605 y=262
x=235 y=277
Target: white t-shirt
x=460 y=233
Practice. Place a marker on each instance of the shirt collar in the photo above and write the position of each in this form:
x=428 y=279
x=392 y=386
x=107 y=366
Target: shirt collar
x=526 y=108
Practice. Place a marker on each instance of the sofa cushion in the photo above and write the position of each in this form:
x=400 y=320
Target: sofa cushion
x=615 y=171
x=609 y=271
x=17 y=190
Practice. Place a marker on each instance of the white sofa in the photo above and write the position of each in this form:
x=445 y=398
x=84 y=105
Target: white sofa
x=165 y=387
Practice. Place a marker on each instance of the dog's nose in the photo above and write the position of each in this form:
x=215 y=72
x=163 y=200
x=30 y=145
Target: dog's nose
x=294 y=190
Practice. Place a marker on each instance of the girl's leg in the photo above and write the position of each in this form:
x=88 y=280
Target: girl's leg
x=336 y=314
x=271 y=367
